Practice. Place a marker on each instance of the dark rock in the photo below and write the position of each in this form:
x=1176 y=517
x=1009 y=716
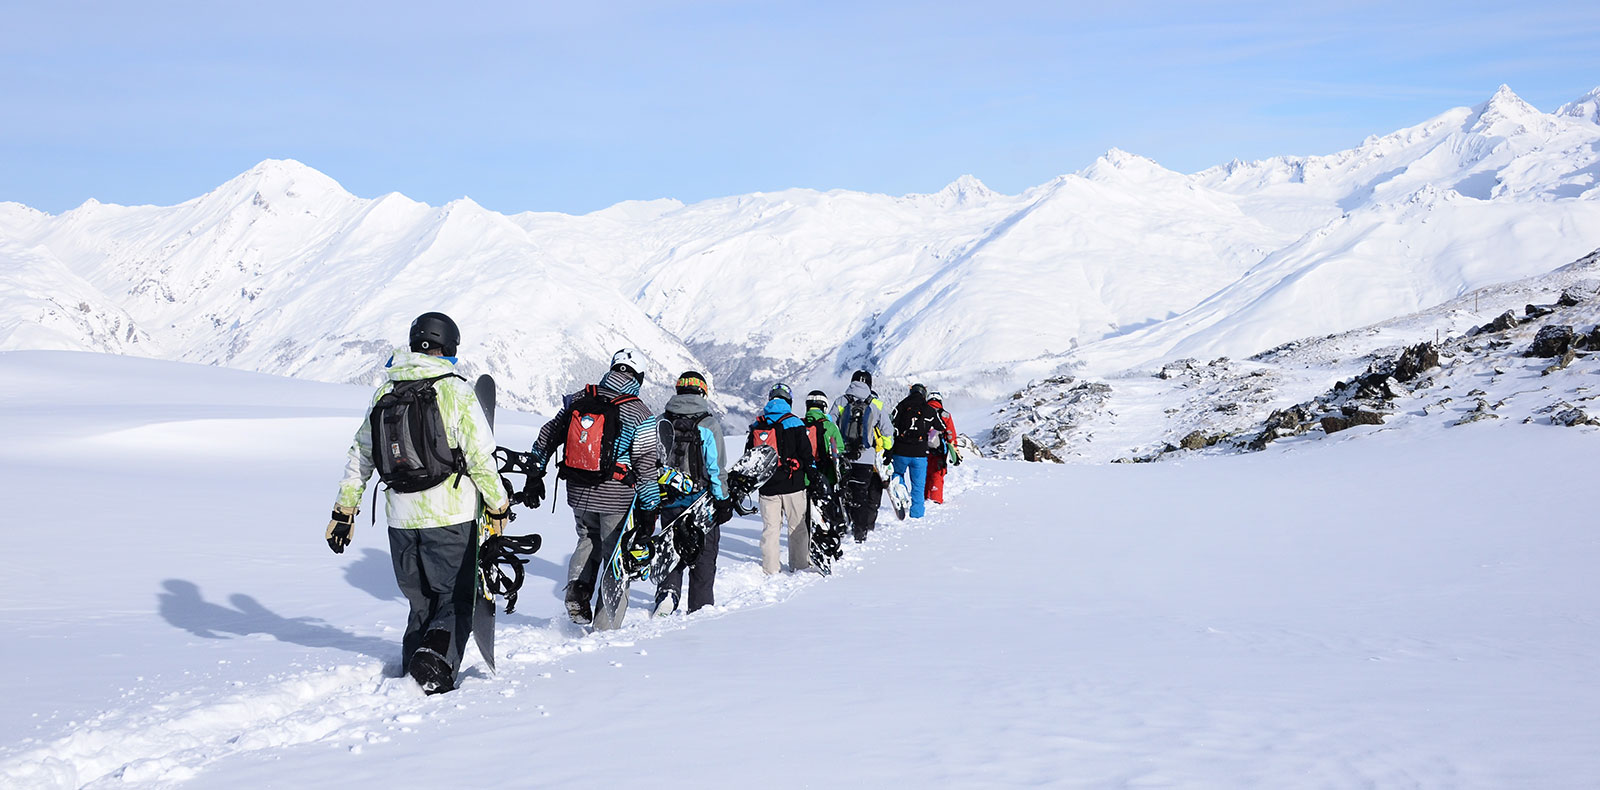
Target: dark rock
x=1196 y=440
x=1359 y=416
x=1538 y=310
x=1569 y=299
x=1034 y=452
x=1414 y=361
x=1572 y=416
x=1552 y=341
x=1506 y=321
x=1335 y=424
x=1561 y=362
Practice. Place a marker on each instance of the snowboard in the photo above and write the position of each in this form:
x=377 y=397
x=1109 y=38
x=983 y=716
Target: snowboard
x=899 y=492
x=824 y=506
x=614 y=579
x=746 y=475
x=483 y=601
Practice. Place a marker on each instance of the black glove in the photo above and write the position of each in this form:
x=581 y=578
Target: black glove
x=722 y=511
x=645 y=521
x=341 y=528
x=533 y=490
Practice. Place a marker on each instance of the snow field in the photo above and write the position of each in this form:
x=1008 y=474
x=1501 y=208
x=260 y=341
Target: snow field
x=1384 y=608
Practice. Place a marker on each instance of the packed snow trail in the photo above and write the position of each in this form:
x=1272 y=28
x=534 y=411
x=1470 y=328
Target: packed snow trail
x=1375 y=609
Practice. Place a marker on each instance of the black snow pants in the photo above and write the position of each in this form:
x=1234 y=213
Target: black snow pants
x=863 y=495
x=436 y=568
x=702 y=567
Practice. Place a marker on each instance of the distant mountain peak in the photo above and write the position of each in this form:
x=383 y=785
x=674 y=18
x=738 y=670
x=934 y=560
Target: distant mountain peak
x=277 y=179
x=1505 y=106
x=1586 y=108
x=1117 y=164
x=967 y=188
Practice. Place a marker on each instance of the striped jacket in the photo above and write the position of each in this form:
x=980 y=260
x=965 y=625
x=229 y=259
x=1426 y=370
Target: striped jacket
x=636 y=446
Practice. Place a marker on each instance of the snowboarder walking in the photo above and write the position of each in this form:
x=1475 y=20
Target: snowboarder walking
x=913 y=421
x=610 y=466
x=692 y=441
x=826 y=444
x=859 y=414
x=783 y=497
x=426 y=436
x=941 y=448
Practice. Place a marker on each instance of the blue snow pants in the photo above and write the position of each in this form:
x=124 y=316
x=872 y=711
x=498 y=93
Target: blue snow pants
x=915 y=472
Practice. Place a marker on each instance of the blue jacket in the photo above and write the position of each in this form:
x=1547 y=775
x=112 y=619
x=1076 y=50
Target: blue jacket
x=794 y=448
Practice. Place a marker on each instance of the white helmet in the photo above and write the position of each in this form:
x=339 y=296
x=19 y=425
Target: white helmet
x=630 y=358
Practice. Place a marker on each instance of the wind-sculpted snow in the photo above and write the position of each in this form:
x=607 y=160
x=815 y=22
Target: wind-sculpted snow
x=1125 y=262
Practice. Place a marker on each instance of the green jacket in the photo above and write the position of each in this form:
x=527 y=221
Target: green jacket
x=465 y=428
x=829 y=444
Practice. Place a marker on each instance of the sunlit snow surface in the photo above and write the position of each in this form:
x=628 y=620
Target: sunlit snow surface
x=1393 y=607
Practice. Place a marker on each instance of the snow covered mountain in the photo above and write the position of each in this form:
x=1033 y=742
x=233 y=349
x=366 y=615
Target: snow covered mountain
x=1125 y=262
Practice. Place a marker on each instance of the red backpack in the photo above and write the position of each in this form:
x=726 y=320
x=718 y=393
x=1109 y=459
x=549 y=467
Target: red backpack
x=593 y=425
x=764 y=433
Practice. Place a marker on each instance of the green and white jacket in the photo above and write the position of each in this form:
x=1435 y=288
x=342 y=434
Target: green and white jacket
x=466 y=428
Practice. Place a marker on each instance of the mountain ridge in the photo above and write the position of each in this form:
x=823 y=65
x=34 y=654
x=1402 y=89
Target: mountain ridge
x=1119 y=264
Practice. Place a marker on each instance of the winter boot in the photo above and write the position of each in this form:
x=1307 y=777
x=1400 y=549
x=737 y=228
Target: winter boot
x=578 y=606
x=428 y=665
x=665 y=605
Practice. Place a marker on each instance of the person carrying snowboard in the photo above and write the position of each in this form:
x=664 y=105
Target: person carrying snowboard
x=426 y=436
x=783 y=497
x=826 y=444
x=692 y=442
x=941 y=448
x=610 y=465
x=913 y=421
x=859 y=415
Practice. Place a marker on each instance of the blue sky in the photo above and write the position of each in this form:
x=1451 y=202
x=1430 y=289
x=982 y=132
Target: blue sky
x=575 y=106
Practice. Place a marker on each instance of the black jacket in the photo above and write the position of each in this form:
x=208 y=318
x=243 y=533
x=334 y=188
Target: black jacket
x=794 y=450
x=913 y=418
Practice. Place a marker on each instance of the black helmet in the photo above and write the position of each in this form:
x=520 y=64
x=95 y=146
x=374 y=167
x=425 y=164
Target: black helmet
x=862 y=375
x=781 y=390
x=692 y=382
x=817 y=399
x=435 y=330
x=920 y=391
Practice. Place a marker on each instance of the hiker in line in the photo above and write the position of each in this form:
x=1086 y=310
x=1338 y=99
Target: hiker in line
x=913 y=421
x=691 y=439
x=610 y=465
x=826 y=444
x=942 y=452
x=431 y=499
x=859 y=414
x=783 y=496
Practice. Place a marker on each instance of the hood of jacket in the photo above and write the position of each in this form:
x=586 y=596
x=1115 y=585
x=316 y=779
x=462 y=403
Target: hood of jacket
x=777 y=409
x=859 y=390
x=688 y=403
x=617 y=381
x=408 y=365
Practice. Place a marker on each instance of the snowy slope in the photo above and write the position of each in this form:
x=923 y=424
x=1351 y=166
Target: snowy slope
x=1135 y=412
x=1388 y=609
x=280 y=270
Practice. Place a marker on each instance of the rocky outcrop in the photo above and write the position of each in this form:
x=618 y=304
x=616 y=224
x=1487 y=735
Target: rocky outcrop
x=1552 y=341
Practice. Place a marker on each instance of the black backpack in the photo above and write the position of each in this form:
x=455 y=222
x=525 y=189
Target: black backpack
x=409 y=445
x=915 y=424
x=854 y=425
x=684 y=447
x=593 y=424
